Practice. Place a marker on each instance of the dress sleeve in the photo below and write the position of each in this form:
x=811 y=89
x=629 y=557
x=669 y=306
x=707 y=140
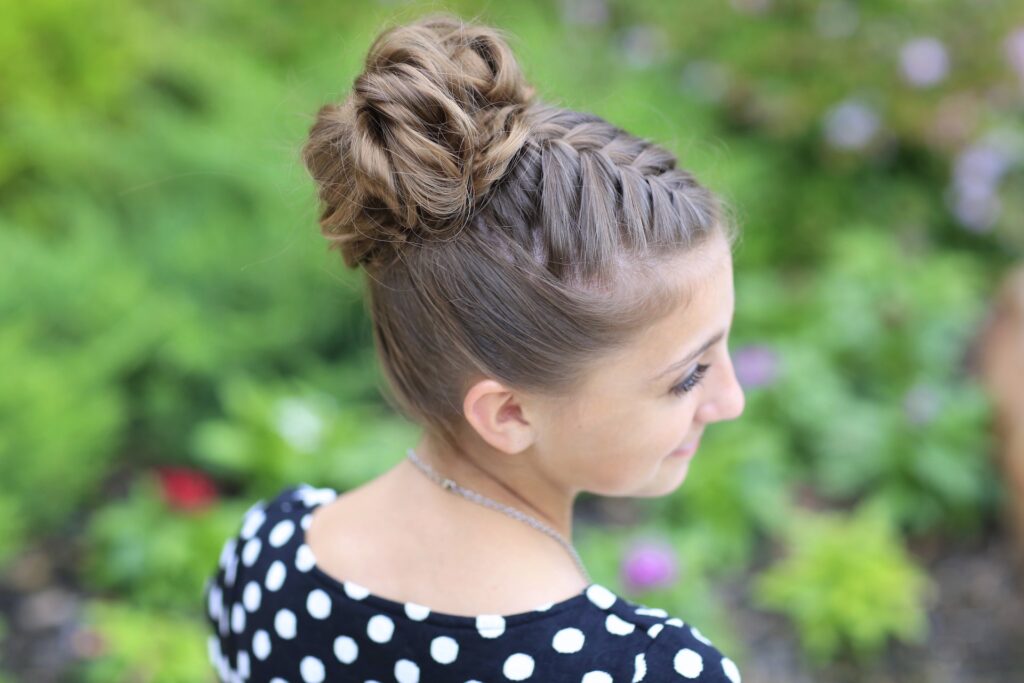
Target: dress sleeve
x=222 y=593
x=682 y=653
x=218 y=599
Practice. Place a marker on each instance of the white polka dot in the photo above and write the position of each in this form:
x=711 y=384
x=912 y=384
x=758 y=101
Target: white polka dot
x=688 y=663
x=253 y=521
x=730 y=670
x=227 y=551
x=354 y=590
x=313 y=497
x=261 y=644
x=213 y=648
x=518 y=667
x=284 y=623
x=639 y=668
x=214 y=603
x=490 y=625
x=243 y=664
x=568 y=640
x=237 y=618
x=281 y=533
x=277 y=680
x=416 y=612
x=674 y=621
x=229 y=572
x=251 y=596
x=652 y=612
x=312 y=670
x=601 y=596
x=304 y=559
x=596 y=677
x=251 y=551
x=318 y=603
x=345 y=649
x=307 y=519
x=380 y=628
x=654 y=630
x=406 y=671
x=444 y=649
x=618 y=625
x=275 y=576
x=699 y=636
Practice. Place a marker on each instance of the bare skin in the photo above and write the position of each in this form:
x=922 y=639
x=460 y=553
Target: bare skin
x=405 y=538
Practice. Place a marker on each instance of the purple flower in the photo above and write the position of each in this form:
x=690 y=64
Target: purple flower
x=921 y=404
x=752 y=6
x=836 y=19
x=851 y=124
x=705 y=79
x=649 y=564
x=756 y=366
x=973 y=194
x=1015 y=51
x=924 y=62
x=642 y=45
x=585 y=12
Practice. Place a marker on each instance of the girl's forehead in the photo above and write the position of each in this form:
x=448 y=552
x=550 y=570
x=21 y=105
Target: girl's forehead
x=704 y=289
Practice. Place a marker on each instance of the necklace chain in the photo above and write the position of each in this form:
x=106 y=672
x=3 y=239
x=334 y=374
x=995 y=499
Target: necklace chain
x=512 y=512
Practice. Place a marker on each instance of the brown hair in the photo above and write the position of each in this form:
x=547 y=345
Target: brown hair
x=502 y=236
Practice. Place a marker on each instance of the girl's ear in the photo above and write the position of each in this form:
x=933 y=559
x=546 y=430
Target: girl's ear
x=495 y=412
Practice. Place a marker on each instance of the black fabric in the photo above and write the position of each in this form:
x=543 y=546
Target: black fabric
x=276 y=617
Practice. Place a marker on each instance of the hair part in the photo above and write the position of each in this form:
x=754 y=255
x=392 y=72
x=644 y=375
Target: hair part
x=502 y=236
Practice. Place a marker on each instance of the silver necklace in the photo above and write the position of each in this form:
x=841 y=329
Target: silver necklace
x=512 y=512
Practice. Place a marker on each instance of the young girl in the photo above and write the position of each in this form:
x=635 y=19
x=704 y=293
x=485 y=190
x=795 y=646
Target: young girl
x=551 y=300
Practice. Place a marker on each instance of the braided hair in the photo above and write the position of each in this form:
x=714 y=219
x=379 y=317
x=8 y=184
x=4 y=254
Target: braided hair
x=504 y=237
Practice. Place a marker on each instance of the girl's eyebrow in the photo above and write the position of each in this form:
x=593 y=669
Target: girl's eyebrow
x=690 y=356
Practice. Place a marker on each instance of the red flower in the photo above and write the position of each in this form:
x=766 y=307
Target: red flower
x=185 y=488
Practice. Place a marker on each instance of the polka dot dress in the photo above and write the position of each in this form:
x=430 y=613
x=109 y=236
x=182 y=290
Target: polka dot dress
x=276 y=617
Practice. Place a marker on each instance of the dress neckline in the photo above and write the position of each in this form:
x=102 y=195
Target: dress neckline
x=313 y=498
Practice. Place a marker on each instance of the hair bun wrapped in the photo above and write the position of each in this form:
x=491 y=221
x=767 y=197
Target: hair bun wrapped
x=432 y=122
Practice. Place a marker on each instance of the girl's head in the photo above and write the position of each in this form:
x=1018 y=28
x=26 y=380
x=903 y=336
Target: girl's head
x=533 y=271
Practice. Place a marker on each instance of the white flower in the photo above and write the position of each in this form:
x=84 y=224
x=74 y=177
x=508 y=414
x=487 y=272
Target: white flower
x=299 y=424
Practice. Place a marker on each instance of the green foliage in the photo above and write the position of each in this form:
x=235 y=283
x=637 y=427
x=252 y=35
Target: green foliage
x=736 y=489
x=63 y=406
x=873 y=389
x=847 y=584
x=271 y=436
x=139 y=644
x=159 y=556
x=161 y=272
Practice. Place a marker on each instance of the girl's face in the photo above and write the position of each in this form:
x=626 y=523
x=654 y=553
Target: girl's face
x=621 y=436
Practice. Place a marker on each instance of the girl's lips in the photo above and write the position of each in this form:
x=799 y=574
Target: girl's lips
x=686 y=449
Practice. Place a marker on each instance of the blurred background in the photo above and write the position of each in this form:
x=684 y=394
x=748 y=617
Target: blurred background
x=176 y=342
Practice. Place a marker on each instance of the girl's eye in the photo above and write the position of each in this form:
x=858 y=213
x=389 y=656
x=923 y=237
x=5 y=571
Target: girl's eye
x=691 y=381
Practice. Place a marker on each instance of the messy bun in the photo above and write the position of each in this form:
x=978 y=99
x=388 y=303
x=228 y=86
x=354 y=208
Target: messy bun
x=434 y=119
x=542 y=234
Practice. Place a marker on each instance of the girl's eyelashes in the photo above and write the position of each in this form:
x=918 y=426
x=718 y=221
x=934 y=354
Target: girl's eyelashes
x=691 y=381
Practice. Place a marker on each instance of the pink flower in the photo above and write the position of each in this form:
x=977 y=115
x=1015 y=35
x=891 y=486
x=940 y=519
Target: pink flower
x=185 y=488
x=649 y=564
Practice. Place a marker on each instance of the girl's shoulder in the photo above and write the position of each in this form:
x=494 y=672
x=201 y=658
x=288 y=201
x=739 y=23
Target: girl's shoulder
x=266 y=568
